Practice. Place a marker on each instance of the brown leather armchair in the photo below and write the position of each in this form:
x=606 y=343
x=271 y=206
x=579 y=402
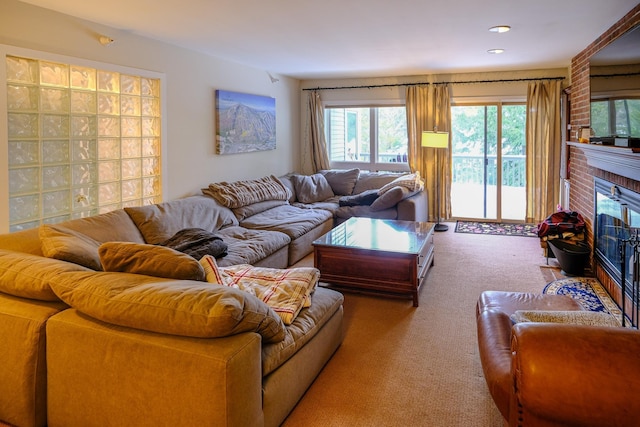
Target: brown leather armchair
x=550 y=374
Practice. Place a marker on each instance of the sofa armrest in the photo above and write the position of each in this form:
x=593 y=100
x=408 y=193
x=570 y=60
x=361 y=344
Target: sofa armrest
x=575 y=375
x=414 y=208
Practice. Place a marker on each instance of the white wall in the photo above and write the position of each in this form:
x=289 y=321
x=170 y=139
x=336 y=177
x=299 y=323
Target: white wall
x=190 y=162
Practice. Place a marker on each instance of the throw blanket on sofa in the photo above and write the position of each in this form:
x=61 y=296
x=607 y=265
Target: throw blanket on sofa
x=197 y=243
x=366 y=198
x=242 y=193
x=286 y=291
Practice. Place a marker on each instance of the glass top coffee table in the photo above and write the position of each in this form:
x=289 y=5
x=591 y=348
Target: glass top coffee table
x=376 y=255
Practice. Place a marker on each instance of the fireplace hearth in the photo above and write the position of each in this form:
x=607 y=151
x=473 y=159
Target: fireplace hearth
x=617 y=245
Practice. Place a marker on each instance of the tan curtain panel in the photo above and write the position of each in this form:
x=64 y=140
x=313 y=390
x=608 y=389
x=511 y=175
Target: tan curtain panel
x=317 y=141
x=429 y=108
x=543 y=149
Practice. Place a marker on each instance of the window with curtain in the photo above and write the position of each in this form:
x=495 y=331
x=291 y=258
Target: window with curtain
x=81 y=140
x=367 y=137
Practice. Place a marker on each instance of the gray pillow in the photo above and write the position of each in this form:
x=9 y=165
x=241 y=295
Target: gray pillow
x=311 y=188
x=341 y=181
x=390 y=198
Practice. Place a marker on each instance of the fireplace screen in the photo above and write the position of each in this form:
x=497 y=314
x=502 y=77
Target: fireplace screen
x=617 y=222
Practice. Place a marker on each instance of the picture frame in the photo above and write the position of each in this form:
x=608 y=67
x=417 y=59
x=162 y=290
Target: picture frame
x=244 y=122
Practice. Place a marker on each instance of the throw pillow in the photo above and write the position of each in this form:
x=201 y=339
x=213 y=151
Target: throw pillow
x=286 y=291
x=312 y=188
x=341 y=181
x=576 y=317
x=176 y=307
x=68 y=245
x=150 y=260
x=160 y=221
x=390 y=198
x=411 y=181
x=197 y=243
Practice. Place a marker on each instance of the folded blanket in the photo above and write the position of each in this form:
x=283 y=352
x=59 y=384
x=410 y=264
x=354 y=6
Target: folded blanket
x=197 y=243
x=242 y=193
x=365 y=198
x=286 y=291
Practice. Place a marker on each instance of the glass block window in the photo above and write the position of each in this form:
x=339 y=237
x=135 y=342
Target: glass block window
x=81 y=141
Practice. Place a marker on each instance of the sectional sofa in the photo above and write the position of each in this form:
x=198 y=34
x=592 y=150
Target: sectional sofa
x=103 y=323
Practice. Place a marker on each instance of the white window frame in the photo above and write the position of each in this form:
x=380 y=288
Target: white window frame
x=372 y=165
x=6 y=50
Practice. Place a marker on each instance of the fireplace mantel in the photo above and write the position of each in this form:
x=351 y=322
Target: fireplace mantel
x=619 y=160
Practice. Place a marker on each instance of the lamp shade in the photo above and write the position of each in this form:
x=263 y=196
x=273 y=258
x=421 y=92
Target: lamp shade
x=435 y=139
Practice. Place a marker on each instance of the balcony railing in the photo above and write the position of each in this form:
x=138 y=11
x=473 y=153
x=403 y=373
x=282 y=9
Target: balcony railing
x=469 y=169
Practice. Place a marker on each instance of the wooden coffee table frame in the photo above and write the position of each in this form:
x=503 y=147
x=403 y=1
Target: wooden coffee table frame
x=377 y=270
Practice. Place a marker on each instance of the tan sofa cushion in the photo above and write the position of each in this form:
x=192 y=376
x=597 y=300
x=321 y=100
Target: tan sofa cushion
x=29 y=276
x=150 y=260
x=107 y=227
x=374 y=180
x=65 y=244
x=159 y=222
x=176 y=307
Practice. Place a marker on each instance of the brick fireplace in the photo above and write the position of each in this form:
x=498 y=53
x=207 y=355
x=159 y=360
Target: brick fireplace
x=582 y=166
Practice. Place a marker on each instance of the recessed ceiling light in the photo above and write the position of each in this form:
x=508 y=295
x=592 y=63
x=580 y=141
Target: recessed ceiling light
x=500 y=29
x=496 y=51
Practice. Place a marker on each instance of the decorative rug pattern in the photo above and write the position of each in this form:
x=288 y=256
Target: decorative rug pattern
x=588 y=292
x=497 y=228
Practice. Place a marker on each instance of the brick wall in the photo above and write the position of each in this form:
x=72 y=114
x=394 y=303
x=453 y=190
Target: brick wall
x=581 y=197
x=581 y=175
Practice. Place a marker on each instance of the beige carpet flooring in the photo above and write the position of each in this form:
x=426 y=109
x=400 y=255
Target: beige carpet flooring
x=406 y=366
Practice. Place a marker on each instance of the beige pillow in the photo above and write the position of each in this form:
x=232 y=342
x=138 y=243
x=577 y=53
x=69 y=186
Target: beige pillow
x=177 y=307
x=312 y=188
x=411 y=181
x=68 y=245
x=576 y=317
x=151 y=260
x=29 y=276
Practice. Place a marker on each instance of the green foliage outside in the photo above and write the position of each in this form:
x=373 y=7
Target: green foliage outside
x=475 y=132
x=616 y=117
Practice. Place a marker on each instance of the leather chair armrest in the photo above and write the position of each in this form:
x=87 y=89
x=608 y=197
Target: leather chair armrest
x=494 y=347
x=575 y=375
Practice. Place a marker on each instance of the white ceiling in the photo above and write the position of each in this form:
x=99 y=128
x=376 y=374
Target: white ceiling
x=308 y=39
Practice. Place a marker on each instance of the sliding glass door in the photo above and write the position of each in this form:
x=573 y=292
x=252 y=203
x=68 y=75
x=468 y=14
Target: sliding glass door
x=488 y=162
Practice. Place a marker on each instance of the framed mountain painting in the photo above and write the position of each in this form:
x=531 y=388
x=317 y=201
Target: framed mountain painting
x=244 y=122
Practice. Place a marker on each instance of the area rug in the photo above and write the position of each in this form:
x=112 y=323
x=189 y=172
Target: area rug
x=588 y=292
x=497 y=228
